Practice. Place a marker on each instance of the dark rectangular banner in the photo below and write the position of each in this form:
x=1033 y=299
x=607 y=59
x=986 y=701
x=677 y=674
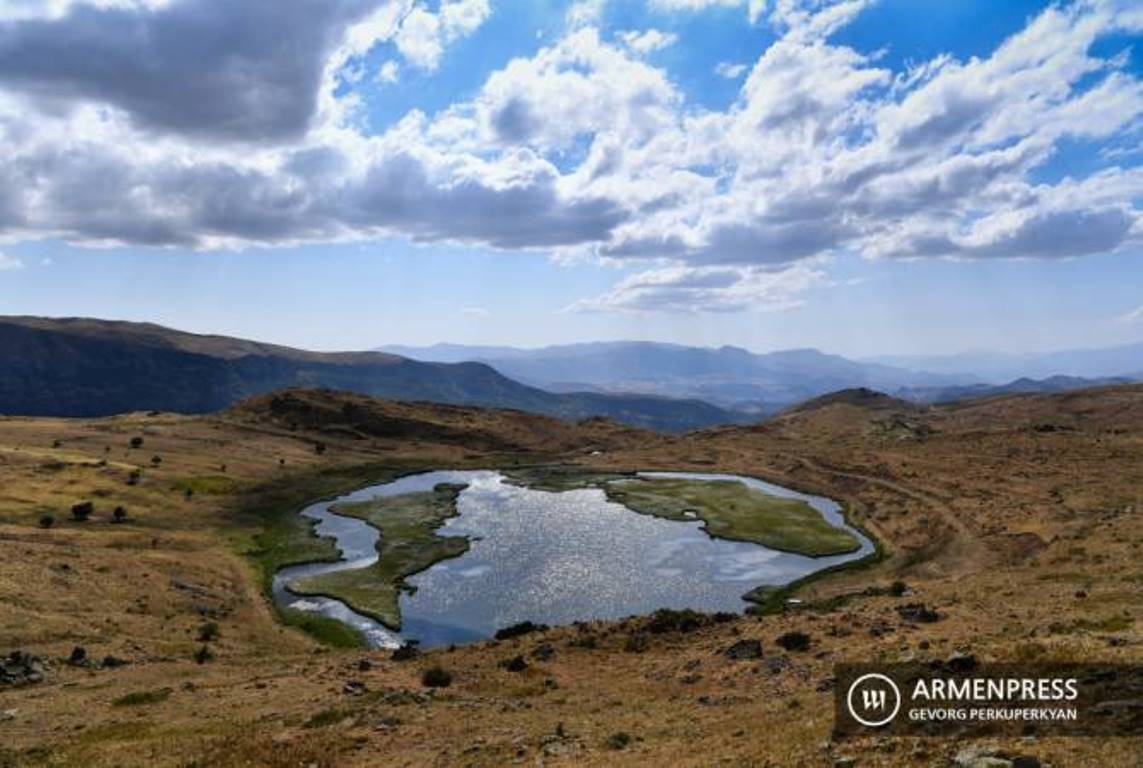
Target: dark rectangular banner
x=963 y=698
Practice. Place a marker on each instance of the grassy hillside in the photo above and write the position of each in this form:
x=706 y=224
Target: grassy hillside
x=1014 y=520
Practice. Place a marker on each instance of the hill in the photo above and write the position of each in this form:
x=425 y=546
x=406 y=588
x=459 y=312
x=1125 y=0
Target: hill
x=731 y=377
x=1012 y=520
x=84 y=367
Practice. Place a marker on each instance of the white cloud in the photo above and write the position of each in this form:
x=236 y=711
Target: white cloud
x=730 y=70
x=584 y=149
x=585 y=13
x=647 y=41
x=9 y=262
x=706 y=289
x=1131 y=316
x=475 y=313
x=754 y=7
x=423 y=35
x=389 y=72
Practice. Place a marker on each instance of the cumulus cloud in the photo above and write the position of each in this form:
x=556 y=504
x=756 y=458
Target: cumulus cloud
x=647 y=41
x=205 y=123
x=730 y=70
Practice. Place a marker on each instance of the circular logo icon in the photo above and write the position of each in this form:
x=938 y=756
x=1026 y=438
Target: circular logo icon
x=873 y=700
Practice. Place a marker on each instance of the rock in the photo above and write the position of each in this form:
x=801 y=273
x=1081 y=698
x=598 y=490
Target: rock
x=112 y=662
x=364 y=665
x=354 y=687
x=21 y=669
x=776 y=664
x=744 y=649
x=7 y=714
x=78 y=657
x=844 y=762
x=973 y=756
x=1025 y=761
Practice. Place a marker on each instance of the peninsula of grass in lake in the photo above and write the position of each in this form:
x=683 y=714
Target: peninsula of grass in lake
x=731 y=510
x=408 y=544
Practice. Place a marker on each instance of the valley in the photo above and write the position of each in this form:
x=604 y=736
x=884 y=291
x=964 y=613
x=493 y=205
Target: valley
x=1017 y=557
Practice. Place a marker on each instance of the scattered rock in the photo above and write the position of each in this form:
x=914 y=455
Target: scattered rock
x=777 y=664
x=7 y=714
x=21 y=669
x=744 y=649
x=113 y=662
x=354 y=687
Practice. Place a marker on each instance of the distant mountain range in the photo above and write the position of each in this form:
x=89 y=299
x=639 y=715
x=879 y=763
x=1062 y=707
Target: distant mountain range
x=83 y=367
x=730 y=377
x=740 y=380
x=997 y=368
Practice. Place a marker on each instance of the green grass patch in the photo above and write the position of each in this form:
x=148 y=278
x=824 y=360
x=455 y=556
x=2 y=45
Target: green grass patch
x=140 y=698
x=558 y=478
x=731 y=510
x=408 y=544
x=216 y=485
x=327 y=717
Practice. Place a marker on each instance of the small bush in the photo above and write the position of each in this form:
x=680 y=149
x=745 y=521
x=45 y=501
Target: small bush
x=203 y=655
x=142 y=697
x=47 y=521
x=156 y=460
x=668 y=620
x=636 y=643
x=82 y=511
x=136 y=442
x=208 y=631
x=133 y=478
x=319 y=448
x=119 y=515
x=618 y=740
x=518 y=630
x=406 y=652
x=514 y=664
x=794 y=641
x=436 y=677
x=898 y=588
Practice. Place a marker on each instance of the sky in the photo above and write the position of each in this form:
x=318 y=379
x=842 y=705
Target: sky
x=865 y=177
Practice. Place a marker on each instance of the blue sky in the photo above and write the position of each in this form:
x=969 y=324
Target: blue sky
x=866 y=178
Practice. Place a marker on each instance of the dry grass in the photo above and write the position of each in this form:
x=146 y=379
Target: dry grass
x=1009 y=516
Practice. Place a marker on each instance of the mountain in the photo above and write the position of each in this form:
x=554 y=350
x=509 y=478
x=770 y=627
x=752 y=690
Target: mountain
x=85 y=367
x=1019 y=386
x=997 y=368
x=731 y=377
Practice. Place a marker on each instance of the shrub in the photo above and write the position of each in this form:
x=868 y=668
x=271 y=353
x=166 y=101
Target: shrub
x=142 y=697
x=47 y=521
x=82 y=511
x=136 y=442
x=203 y=654
x=668 y=620
x=208 y=632
x=518 y=630
x=319 y=448
x=636 y=643
x=156 y=460
x=133 y=478
x=436 y=677
x=119 y=515
x=794 y=641
x=618 y=740
x=898 y=588
x=188 y=493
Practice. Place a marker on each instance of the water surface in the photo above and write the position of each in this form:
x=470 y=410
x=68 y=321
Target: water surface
x=553 y=558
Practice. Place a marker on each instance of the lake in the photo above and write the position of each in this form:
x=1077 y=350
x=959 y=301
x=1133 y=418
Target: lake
x=553 y=558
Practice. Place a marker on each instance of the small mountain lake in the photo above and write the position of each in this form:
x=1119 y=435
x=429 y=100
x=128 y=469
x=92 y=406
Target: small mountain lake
x=553 y=558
